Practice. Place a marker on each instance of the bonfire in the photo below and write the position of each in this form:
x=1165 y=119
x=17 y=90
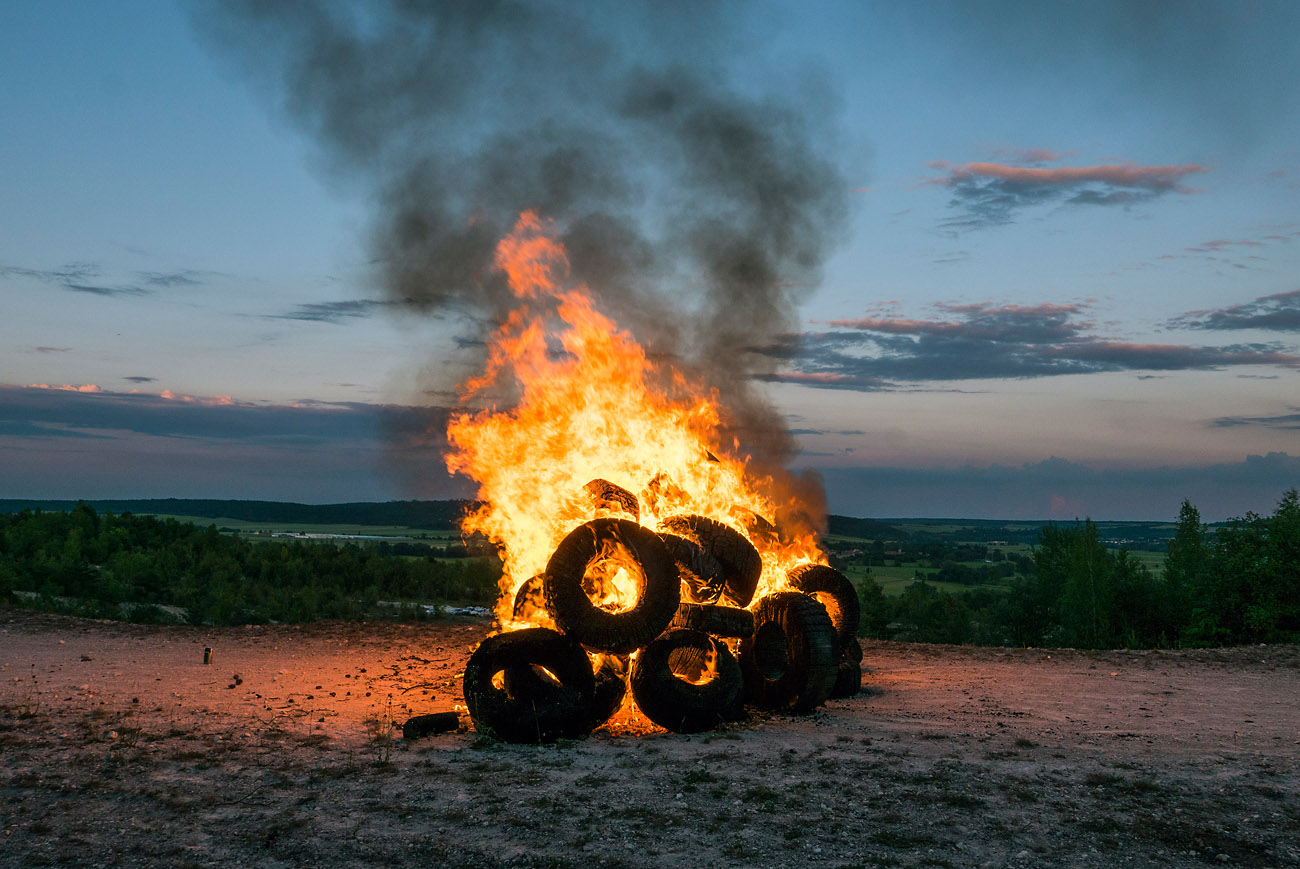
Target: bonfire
x=643 y=561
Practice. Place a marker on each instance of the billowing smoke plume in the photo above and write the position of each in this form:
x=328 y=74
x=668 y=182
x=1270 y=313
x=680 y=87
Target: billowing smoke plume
x=697 y=208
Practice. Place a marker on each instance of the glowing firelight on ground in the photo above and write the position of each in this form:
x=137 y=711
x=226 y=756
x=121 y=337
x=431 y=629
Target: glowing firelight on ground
x=567 y=397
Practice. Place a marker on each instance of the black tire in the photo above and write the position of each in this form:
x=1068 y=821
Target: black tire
x=834 y=591
x=420 y=726
x=852 y=651
x=658 y=590
x=742 y=566
x=719 y=621
x=605 y=495
x=848 y=679
x=563 y=711
x=758 y=528
x=790 y=662
x=674 y=703
x=700 y=573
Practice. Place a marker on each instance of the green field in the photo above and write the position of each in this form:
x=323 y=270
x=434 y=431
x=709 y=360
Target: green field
x=243 y=526
x=893 y=580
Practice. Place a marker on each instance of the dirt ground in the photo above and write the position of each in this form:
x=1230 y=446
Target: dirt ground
x=119 y=746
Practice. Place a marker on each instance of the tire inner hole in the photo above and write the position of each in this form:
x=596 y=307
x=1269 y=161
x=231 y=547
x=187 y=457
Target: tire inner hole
x=694 y=666
x=535 y=676
x=613 y=580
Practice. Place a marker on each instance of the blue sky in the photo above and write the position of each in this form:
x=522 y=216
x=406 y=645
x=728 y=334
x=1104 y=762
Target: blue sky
x=1024 y=265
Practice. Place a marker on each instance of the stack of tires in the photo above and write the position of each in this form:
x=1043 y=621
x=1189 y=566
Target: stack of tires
x=705 y=651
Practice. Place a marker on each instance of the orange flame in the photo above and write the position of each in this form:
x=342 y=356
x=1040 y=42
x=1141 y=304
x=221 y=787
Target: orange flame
x=587 y=403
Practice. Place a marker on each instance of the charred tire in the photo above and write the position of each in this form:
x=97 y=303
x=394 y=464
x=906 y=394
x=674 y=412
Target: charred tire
x=848 y=679
x=678 y=705
x=605 y=495
x=563 y=711
x=741 y=564
x=836 y=593
x=701 y=574
x=420 y=726
x=658 y=590
x=851 y=651
x=719 y=621
x=790 y=662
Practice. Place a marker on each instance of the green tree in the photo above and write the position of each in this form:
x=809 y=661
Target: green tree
x=1186 y=569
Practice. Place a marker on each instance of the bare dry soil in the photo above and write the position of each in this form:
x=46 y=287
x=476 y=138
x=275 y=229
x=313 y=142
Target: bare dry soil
x=119 y=746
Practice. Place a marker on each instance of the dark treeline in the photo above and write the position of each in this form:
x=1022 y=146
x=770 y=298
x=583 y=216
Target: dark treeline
x=1239 y=584
x=433 y=515
x=116 y=566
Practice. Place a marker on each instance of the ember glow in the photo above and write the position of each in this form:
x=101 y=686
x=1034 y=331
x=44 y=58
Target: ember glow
x=567 y=397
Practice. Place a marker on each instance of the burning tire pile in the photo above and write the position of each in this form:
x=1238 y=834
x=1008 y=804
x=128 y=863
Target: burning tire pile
x=694 y=648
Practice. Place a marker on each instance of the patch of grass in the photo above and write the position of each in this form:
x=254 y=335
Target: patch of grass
x=759 y=793
x=738 y=850
x=1104 y=780
x=1269 y=791
x=379 y=729
x=29 y=702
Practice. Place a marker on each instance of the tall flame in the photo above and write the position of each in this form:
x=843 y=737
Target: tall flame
x=586 y=403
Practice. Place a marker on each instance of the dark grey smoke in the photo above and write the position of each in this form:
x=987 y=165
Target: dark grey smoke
x=699 y=204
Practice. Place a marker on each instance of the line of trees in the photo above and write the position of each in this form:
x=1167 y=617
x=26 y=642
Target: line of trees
x=109 y=565
x=1239 y=584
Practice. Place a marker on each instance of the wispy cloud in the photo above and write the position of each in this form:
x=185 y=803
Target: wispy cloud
x=333 y=312
x=65 y=387
x=77 y=277
x=984 y=341
x=990 y=194
x=72 y=410
x=1278 y=313
x=182 y=278
x=816 y=432
x=1286 y=421
x=1239 y=252
x=88 y=277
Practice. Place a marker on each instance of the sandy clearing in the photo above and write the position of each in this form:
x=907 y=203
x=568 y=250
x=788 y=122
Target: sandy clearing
x=122 y=748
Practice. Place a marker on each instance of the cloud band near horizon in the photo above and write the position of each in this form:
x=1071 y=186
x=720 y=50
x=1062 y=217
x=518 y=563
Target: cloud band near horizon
x=70 y=443
x=982 y=341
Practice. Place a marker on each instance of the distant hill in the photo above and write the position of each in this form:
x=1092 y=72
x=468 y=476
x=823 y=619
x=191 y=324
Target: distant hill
x=433 y=515
x=1118 y=534
x=445 y=515
x=866 y=529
